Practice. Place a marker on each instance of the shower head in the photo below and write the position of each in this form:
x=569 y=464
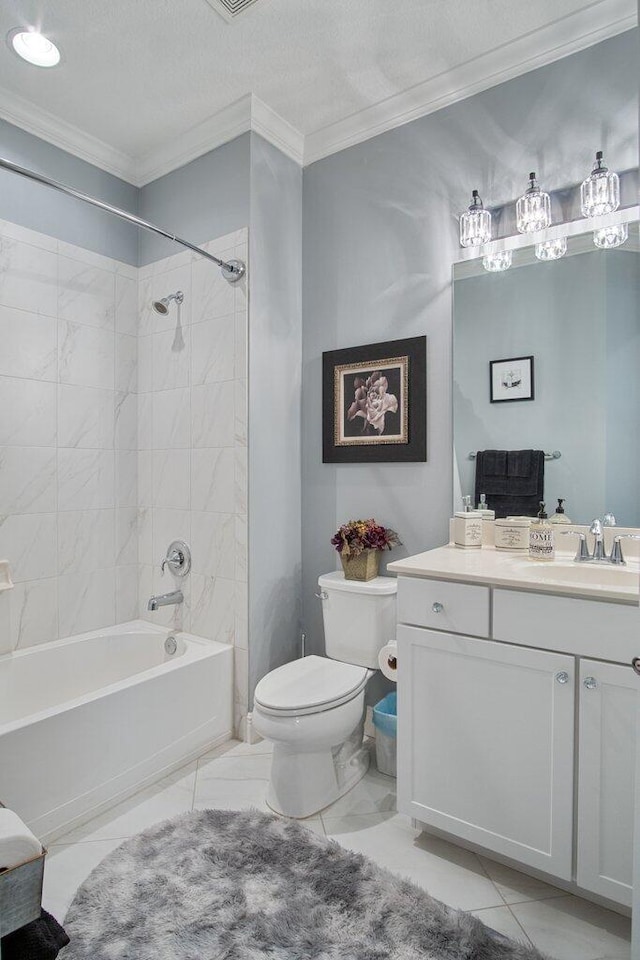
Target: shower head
x=162 y=306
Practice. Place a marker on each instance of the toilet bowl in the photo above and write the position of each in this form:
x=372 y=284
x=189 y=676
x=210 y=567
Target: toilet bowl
x=313 y=709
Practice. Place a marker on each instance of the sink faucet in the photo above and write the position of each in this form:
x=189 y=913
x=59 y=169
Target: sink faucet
x=166 y=600
x=595 y=529
x=599 y=553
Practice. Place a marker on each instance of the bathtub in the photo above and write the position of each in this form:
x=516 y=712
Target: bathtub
x=87 y=720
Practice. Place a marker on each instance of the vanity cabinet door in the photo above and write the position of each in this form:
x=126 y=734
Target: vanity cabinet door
x=606 y=765
x=486 y=744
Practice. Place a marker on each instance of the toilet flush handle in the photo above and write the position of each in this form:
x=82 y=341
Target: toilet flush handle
x=323 y=595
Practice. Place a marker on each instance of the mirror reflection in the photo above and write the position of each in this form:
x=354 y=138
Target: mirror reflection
x=578 y=399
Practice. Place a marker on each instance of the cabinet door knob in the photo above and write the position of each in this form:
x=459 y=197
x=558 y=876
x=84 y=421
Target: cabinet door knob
x=562 y=677
x=437 y=607
x=590 y=683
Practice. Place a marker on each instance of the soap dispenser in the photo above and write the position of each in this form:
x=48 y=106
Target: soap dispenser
x=485 y=509
x=467 y=526
x=559 y=516
x=541 y=545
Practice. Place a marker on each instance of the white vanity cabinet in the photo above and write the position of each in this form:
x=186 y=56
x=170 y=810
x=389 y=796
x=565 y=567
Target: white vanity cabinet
x=512 y=735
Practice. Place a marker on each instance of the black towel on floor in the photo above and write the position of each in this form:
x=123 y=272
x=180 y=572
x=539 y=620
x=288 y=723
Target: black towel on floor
x=512 y=481
x=42 y=939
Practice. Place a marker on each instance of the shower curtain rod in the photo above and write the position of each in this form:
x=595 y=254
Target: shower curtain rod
x=232 y=270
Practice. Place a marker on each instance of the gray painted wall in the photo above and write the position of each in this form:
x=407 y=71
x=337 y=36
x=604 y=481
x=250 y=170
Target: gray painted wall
x=206 y=198
x=40 y=208
x=379 y=238
x=275 y=352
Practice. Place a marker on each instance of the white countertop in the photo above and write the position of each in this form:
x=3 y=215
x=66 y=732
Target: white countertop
x=514 y=570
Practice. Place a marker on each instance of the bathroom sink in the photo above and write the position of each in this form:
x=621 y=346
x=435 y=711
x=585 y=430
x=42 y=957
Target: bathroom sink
x=586 y=574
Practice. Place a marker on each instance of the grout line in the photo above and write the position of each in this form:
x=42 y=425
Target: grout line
x=524 y=932
x=490 y=878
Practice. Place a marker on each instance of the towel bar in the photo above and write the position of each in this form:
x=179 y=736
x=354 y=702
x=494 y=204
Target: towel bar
x=548 y=456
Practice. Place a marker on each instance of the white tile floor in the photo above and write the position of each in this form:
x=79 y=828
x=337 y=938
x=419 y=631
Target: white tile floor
x=235 y=776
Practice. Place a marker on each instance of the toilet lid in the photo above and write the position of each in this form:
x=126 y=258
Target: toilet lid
x=310 y=685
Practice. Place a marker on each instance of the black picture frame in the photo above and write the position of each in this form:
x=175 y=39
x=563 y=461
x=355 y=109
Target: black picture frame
x=374 y=403
x=511 y=379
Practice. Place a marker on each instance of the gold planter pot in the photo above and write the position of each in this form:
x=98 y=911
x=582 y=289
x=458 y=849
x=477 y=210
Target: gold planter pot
x=363 y=567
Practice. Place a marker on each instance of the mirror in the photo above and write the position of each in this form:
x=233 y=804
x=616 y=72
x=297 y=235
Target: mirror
x=579 y=318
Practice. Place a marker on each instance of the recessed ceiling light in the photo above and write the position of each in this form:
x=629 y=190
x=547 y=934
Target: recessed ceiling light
x=34 y=47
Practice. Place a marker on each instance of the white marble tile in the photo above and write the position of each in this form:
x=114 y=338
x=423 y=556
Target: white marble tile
x=85 y=355
x=29 y=543
x=27 y=479
x=213 y=415
x=213 y=544
x=29 y=345
x=126 y=372
x=67 y=867
x=240 y=455
x=241 y=406
x=171 y=419
x=28 y=277
x=231 y=795
x=126 y=593
x=145 y=364
x=176 y=616
x=213 y=608
x=85 y=417
x=6 y=640
x=87 y=601
x=516 y=887
x=212 y=351
x=213 y=296
x=242 y=616
x=145 y=535
x=126 y=478
x=126 y=305
x=170 y=358
x=126 y=536
x=145 y=589
x=145 y=478
x=227 y=767
x=92 y=259
x=86 y=479
x=241 y=571
x=236 y=748
x=213 y=480
x=126 y=421
x=86 y=294
x=171 y=479
x=569 y=928
x=14 y=231
x=169 y=525
x=447 y=872
x=145 y=421
x=223 y=246
x=375 y=793
x=27 y=412
x=160 y=285
x=34 y=612
x=169 y=797
x=241 y=360
x=502 y=920
x=86 y=540
x=240 y=689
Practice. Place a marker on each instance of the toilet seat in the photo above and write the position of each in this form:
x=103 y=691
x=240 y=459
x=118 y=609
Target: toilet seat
x=310 y=685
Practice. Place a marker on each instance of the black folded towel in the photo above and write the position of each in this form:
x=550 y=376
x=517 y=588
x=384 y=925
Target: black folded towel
x=41 y=939
x=512 y=481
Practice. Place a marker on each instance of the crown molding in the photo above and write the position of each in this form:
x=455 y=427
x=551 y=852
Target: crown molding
x=277 y=130
x=564 y=36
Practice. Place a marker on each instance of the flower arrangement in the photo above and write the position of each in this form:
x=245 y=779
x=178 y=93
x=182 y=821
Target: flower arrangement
x=356 y=536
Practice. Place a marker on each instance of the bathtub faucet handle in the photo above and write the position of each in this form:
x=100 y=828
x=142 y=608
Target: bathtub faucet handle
x=178 y=559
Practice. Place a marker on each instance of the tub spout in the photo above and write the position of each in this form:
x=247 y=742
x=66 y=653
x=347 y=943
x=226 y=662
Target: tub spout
x=166 y=600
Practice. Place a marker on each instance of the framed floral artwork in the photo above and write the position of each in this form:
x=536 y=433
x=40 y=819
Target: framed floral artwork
x=511 y=379
x=374 y=402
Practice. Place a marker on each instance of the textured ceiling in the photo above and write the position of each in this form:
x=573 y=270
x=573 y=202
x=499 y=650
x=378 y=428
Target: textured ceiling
x=139 y=73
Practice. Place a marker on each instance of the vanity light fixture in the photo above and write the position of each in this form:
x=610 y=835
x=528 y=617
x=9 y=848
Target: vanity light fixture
x=533 y=209
x=34 y=47
x=609 y=237
x=475 y=224
x=551 y=249
x=497 y=262
x=600 y=192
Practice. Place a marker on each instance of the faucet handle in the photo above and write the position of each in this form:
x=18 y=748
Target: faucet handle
x=596 y=527
x=178 y=559
x=616 y=550
x=609 y=520
x=583 y=550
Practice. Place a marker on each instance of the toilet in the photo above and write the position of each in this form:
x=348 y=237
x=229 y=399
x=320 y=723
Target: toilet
x=313 y=709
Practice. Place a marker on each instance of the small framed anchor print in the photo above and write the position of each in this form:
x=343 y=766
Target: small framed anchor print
x=511 y=379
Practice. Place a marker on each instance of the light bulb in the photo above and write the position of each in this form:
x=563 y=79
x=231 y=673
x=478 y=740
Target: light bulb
x=600 y=192
x=475 y=224
x=35 y=48
x=607 y=238
x=551 y=249
x=533 y=209
x=497 y=262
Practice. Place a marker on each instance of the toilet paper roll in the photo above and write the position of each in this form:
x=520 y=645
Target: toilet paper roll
x=17 y=843
x=388 y=660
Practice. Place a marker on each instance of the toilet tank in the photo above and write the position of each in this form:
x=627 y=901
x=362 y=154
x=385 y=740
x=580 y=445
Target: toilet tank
x=359 y=617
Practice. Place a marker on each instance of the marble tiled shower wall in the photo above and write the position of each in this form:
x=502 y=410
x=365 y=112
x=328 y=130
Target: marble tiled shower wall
x=68 y=438
x=192 y=441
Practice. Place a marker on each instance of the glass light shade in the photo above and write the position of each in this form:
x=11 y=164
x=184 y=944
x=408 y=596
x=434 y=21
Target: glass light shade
x=533 y=209
x=600 y=192
x=475 y=224
x=609 y=237
x=33 y=47
x=551 y=249
x=497 y=262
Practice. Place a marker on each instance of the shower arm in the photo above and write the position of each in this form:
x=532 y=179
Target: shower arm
x=232 y=270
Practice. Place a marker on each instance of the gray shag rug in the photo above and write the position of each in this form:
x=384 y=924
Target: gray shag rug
x=227 y=885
